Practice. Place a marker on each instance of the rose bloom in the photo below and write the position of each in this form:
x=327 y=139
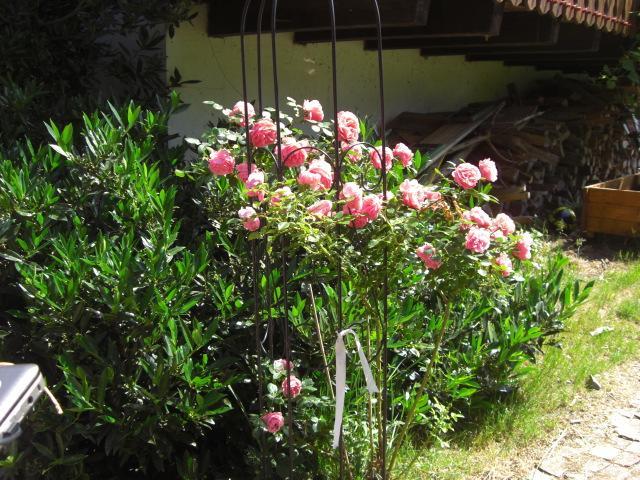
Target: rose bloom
x=255 y=179
x=291 y=386
x=504 y=224
x=371 y=206
x=319 y=175
x=237 y=112
x=280 y=194
x=360 y=221
x=282 y=365
x=523 y=247
x=404 y=154
x=505 y=265
x=263 y=133
x=413 y=194
x=354 y=152
x=478 y=216
x=348 y=127
x=488 y=170
x=376 y=157
x=427 y=253
x=431 y=195
x=249 y=218
x=294 y=154
x=466 y=175
x=312 y=110
x=321 y=208
x=478 y=240
x=221 y=162
x=352 y=192
x=274 y=421
x=242 y=170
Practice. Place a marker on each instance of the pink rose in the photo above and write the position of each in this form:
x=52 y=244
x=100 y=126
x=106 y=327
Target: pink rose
x=376 y=157
x=427 y=253
x=504 y=224
x=255 y=179
x=351 y=192
x=404 y=154
x=478 y=216
x=249 y=218
x=354 y=152
x=488 y=170
x=312 y=110
x=348 y=127
x=282 y=365
x=478 y=240
x=466 y=175
x=319 y=175
x=322 y=208
x=236 y=114
x=431 y=195
x=221 y=163
x=263 y=133
x=413 y=194
x=504 y=264
x=359 y=221
x=242 y=171
x=280 y=194
x=294 y=154
x=523 y=247
x=371 y=206
x=274 y=421
x=291 y=386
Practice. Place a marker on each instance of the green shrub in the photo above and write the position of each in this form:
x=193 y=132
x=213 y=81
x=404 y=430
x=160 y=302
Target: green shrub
x=125 y=275
x=123 y=317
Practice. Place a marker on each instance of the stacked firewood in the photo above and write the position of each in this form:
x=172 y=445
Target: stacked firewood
x=548 y=146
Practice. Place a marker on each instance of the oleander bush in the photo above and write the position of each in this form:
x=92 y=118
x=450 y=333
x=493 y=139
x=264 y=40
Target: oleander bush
x=126 y=273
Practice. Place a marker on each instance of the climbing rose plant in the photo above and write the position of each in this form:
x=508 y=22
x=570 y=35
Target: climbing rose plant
x=288 y=194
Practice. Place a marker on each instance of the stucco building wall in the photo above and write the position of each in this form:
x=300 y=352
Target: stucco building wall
x=412 y=82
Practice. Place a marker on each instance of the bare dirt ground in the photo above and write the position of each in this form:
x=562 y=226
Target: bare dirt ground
x=599 y=437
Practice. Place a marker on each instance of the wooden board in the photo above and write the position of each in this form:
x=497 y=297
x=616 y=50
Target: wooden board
x=294 y=15
x=613 y=207
x=480 y=18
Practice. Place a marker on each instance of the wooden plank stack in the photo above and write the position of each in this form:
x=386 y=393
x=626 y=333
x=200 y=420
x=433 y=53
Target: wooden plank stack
x=564 y=135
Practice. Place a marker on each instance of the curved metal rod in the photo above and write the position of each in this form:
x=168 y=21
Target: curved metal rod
x=259 y=53
x=363 y=175
x=306 y=147
x=253 y=245
x=385 y=258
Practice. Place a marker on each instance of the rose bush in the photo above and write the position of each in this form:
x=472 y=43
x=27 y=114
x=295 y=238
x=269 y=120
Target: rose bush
x=442 y=241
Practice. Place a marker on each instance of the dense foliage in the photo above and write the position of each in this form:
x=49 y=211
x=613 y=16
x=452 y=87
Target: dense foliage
x=58 y=59
x=126 y=275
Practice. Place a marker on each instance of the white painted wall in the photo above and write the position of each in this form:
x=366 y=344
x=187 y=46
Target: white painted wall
x=412 y=83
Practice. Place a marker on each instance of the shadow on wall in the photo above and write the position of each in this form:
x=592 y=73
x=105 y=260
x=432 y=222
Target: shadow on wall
x=412 y=82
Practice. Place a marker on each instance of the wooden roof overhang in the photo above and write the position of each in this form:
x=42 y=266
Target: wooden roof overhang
x=570 y=35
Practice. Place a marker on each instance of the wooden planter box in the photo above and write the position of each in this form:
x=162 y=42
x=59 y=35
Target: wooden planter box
x=613 y=207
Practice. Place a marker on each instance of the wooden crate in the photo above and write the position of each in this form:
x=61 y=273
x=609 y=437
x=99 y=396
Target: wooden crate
x=613 y=207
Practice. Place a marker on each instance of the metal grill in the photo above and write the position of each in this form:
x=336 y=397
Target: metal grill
x=338 y=158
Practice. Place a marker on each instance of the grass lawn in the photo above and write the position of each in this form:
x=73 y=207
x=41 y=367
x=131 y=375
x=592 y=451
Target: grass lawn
x=526 y=425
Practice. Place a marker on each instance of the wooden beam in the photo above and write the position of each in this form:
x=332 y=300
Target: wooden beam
x=517 y=29
x=224 y=16
x=446 y=18
x=607 y=45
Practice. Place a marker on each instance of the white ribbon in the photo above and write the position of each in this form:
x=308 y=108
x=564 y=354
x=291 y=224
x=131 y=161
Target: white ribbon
x=341 y=379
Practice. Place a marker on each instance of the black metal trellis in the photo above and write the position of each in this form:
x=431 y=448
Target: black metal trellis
x=279 y=162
